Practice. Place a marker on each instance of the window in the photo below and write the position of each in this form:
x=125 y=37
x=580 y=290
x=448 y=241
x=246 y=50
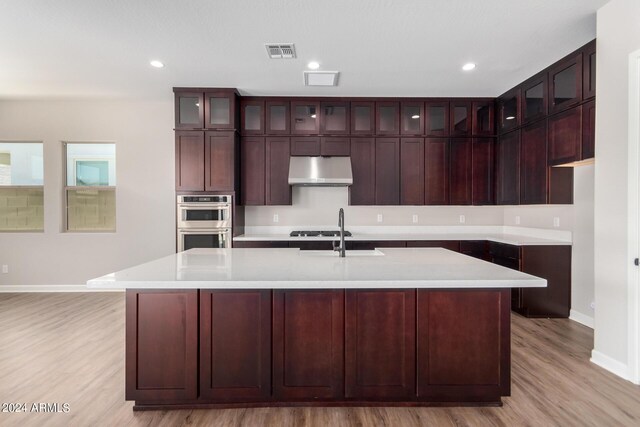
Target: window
x=90 y=189
x=21 y=186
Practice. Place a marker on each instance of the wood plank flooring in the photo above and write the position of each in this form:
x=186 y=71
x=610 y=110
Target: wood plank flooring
x=69 y=348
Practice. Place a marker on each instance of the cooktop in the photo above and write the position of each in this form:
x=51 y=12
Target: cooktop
x=322 y=233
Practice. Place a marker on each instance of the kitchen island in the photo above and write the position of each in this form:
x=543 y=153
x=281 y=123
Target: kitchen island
x=284 y=327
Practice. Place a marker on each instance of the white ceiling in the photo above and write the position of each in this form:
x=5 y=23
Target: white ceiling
x=98 y=48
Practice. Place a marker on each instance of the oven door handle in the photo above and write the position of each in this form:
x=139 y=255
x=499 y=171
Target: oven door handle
x=203 y=206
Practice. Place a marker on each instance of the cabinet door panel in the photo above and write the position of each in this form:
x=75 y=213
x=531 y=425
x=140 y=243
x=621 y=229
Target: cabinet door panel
x=460 y=171
x=308 y=344
x=277 y=171
x=221 y=157
x=508 y=169
x=277 y=117
x=436 y=118
x=482 y=170
x=452 y=245
x=565 y=84
x=552 y=263
x=235 y=344
x=589 y=71
x=565 y=136
x=363 y=162
x=162 y=345
x=533 y=164
x=412 y=118
x=534 y=98
x=334 y=118
x=220 y=109
x=483 y=120
x=253 y=171
x=460 y=113
x=436 y=165
x=305 y=117
x=334 y=146
x=305 y=146
x=412 y=171
x=190 y=161
x=380 y=344
x=509 y=110
x=189 y=110
x=387 y=118
x=387 y=171
x=588 y=130
x=363 y=118
x=252 y=117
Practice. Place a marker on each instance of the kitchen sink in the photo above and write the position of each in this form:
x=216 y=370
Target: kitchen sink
x=336 y=254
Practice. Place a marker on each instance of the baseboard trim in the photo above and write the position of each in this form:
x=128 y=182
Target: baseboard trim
x=612 y=365
x=53 y=288
x=583 y=319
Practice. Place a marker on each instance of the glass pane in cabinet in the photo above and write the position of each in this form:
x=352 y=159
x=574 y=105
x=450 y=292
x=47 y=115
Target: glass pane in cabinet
x=219 y=111
x=460 y=119
x=564 y=85
x=534 y=98
x=436 y=119
x=278 y=117
x=189 y=110
x=411 y=119
x=510 y=112
x=305 y=118
x=362 y=118
x=335 y=118
x=387 y=118
x=483 y=114
x=252 y=117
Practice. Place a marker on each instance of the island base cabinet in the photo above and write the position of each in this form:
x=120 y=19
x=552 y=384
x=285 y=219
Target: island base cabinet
x=463 y=345
x=308 y=344
x=235 y=345
x=380 y=344
x=161 y=345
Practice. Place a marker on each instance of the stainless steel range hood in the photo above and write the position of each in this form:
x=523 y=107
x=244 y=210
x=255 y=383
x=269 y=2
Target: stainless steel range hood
x=320 y=171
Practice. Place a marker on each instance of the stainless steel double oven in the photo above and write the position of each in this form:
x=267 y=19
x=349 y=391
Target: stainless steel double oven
x=204 y=221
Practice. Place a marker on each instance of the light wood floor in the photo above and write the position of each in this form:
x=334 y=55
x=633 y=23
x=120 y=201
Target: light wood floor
x=70 y=348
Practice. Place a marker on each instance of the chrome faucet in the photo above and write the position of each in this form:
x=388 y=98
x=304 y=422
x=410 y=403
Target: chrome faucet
x=340 y=248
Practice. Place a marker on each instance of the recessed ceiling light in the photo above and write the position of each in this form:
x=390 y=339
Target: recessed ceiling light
x=468 y=66
x=510 y=118
x=415 y=116
x=313 y=65
x=156 y=64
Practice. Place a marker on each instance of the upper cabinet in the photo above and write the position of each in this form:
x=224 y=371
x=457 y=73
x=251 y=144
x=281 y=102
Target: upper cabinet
x=436 y=118
x=387 y=118
x=412 y=118
x=277 y=117
x=363 y=118
x=334 y=118
x=509 y=112
x=565 y=83
x=214 y=109
x=189 y=110
x=589 y=71
x=460 y=115
x=305 y=117
x=565 y=137
x=483 y=120
x=534 y=98
x=252 y=117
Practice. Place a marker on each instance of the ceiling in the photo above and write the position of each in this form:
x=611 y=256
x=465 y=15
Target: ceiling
x=96 y=48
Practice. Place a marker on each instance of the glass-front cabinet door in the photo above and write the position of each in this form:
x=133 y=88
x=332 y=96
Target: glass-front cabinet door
x=252 y=117
x=189 y=110
x=565 y=84
x=220 y=109
x=483 y=120
x=460 y=113
x=387 y=118
x=362 y=118
x=436 y=118
x=412 y=118
x=509 y=110
x=277 y=117
x=334 y=118
x=534 y=98
x=305 y=117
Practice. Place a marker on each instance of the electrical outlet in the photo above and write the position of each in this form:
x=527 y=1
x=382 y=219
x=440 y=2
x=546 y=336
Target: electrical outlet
x=276 y=218
x=517 y=219
x=414 y=218
x=379 y=217
x=462 y=219
x=556 y=221
x=5 y=269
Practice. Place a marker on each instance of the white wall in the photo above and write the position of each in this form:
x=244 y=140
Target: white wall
x=145 y=202
x=618 y=34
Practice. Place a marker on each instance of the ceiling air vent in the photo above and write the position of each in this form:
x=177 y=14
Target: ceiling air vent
x=281 y=50
x=321 y=78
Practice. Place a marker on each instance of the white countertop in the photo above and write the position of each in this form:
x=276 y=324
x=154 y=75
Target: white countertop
x=295 y=269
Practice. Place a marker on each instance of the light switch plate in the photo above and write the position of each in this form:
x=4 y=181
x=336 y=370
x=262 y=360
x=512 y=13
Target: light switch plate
x=379 y=218
x=556 y=221
x=276 y=218
x=462 y=219
x=414 y=218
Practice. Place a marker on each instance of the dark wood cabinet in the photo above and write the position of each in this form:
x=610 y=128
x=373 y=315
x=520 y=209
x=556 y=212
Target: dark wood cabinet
x=235 y=344
x=412 y=118
x=363 y=118
x=508 y=169
x=335 y=146
x=277 y=152
x=161 y=345
x=589 y=70
x=436 y=118
x=334 y=118
x=534 y=98
x=380 y=341
x=460 y=115
x=306 y=245
x=305 y=117
x=588 y=130
x=387 y=118
x=482 y=171
x=253 y=159
x=363 y=163
x=305 y=146
x=565 y=83
x=560 y=186
x=252 y=117
x=460 y=171
x=277 y=117
x=509 y=110
x=369 y=245
x=533 y=164
x=308 y=344
x=261 y=244
x=436 y=171
x=475 y=248
x=190 y=168
x=220 y=109
x=552 y=263
x=565 y=136
x=452 y=245
x=483 y=118
x=412 y=171
x=387 y=171
x=221 y=161
x=189 y=110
